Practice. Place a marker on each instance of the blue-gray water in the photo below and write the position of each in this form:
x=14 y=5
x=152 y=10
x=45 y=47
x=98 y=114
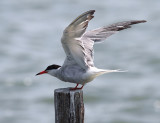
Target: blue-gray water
x=30 y=32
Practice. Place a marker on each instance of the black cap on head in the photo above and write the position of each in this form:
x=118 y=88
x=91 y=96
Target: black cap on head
x=54 y=66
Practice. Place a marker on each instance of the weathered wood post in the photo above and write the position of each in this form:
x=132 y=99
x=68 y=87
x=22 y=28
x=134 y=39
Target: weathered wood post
x=69 y=106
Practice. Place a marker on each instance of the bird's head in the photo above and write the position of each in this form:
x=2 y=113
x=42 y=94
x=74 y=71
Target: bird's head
x=51 y=69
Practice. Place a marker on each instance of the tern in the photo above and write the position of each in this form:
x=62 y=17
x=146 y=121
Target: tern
x=78 y=66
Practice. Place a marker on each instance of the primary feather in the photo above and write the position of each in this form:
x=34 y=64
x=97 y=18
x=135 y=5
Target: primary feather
x=78 y=44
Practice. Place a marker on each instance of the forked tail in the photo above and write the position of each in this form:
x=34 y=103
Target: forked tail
x=103 y=71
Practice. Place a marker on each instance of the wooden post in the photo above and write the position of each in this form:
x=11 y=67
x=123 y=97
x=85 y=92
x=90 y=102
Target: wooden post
x=69 y=106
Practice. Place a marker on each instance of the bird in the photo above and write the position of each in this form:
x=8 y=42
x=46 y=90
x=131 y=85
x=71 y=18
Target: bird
x=78 y=43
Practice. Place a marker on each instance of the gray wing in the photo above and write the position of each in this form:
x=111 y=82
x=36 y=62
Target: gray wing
x=79 y=25
x=78 y=45
x=72 y=42
x=102 y=33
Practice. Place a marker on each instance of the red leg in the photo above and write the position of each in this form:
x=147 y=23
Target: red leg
x=75 y=88
x=76 y=85
x=81 y=87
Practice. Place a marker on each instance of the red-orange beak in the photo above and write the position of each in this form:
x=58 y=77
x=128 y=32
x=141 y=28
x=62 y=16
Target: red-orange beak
x=41 y=73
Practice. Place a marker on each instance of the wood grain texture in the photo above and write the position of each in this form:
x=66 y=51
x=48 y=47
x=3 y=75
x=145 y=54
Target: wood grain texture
x=69 y=106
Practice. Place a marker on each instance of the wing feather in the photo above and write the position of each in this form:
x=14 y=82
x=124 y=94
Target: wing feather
x=71 y=40
x=78 y=45
x=102 y=33
x=79 y=25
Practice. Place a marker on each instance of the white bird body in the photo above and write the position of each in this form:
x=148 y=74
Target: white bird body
x=76 y=74
x=78 y=66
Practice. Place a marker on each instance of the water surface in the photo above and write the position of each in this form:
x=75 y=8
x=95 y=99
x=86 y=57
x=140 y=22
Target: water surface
x=30 y=33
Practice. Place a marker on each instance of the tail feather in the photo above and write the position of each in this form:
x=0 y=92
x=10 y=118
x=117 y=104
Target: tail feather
x=119 y=70
x=103 y=71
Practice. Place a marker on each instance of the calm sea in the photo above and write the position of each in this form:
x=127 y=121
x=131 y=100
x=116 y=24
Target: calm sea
x=30 y=32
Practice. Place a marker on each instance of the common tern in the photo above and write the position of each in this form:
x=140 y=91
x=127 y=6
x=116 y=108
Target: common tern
x=78 y=66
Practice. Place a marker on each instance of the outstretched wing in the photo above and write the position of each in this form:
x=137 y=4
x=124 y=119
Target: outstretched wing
x=102 y=33
x=78 y=45
x=71 y=40
x=79 y=25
